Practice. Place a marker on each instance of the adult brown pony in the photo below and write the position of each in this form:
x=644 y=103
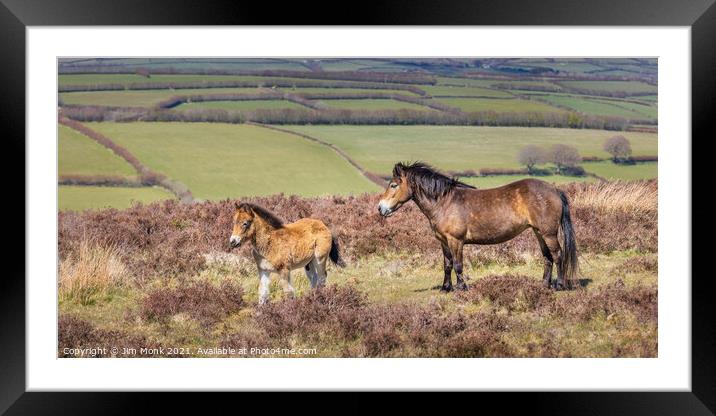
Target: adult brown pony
x=280 y=248
x=459 y=214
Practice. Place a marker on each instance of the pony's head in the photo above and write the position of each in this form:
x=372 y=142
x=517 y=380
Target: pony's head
x=245 y=222
x=243 y=228
x=417 y=180
x=397 y=193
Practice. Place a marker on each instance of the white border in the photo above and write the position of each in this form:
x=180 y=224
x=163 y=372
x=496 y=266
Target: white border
x=670 y=371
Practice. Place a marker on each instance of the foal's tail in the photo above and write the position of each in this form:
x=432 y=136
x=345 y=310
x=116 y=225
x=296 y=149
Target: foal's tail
x=335 y=254
x=569 y=253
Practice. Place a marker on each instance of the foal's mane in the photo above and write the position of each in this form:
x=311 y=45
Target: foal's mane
x=428 y=181
x=265 y=214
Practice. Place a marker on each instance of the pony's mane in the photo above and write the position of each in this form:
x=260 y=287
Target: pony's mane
x=265 y=214
x=428 y=181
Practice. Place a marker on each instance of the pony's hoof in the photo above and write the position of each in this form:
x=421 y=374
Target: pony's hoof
x=559 y=286
x=461 y=286
x=446 y=289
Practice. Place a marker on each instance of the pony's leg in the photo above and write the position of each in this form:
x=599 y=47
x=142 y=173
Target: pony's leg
x=556 y=251
x=456 y=247
x=264 y=281
x=286 y=282
x=447 y=267
x=312 y=274
x=548 y=260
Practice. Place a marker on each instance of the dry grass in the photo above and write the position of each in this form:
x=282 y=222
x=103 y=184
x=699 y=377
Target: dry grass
x=91 y=273
x=636 y=197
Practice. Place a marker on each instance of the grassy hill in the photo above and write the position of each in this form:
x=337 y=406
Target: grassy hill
x=80 y=155
x=218 y=161
x=378 y=148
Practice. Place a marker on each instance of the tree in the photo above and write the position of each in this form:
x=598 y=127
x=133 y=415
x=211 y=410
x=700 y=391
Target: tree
x=530 y=156
x=619 y=147
x=564 y=156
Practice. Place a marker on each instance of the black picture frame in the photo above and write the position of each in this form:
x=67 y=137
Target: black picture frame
x=16 y=15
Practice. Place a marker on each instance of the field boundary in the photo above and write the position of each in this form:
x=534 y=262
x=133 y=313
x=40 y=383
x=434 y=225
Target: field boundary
x=279 y=83
x=368 y=175
x=148 y=176
x=100 y=180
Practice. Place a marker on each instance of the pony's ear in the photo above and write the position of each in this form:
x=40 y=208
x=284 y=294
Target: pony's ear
x=398 y=170
x=237 y=205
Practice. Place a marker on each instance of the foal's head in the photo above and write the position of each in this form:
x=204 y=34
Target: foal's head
x=245 y=226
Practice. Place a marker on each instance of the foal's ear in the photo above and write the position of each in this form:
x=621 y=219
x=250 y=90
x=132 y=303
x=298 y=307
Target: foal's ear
x=237 y=205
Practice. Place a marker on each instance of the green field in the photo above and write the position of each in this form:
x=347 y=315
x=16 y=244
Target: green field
x=249 y=105
x=142 y=98
x=80 y=155
x=219 y=161
x=648 y=111
x=610 y=170
x=378 y=148
x=449 y=91
x=627 y=86
x=493 y=181
x=499 y=105
x=80 y=198
x=373 y=105
x=601 y=107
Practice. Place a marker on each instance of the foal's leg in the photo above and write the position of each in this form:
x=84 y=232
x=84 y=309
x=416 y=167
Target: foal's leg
x=456 y=247
x=447 y=266
x=548 y=260
x=556 y=251
x=288 y=289
x=264 y=281
x=312 y=273
x=321 y=271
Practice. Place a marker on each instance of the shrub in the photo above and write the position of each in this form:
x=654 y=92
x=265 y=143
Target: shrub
x=645 y=158
x=340 y=314
x=502 y=171
x=202 y=301
x=614 y=298
x=512 y=292
x=75 y=333
x=573 y=171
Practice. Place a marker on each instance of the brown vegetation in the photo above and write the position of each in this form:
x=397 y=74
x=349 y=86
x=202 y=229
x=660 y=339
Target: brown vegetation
x=76 y=333
x=169 y=239
x=99 y=180
x=201 y=300
x=278 y=83
x=344 y=116
x=364 y=76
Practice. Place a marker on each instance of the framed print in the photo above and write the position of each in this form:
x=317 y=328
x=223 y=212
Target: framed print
x=403 y=207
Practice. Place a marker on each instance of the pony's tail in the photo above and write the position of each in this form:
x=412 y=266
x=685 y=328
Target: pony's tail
x=569 y=253
x=335 y=254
